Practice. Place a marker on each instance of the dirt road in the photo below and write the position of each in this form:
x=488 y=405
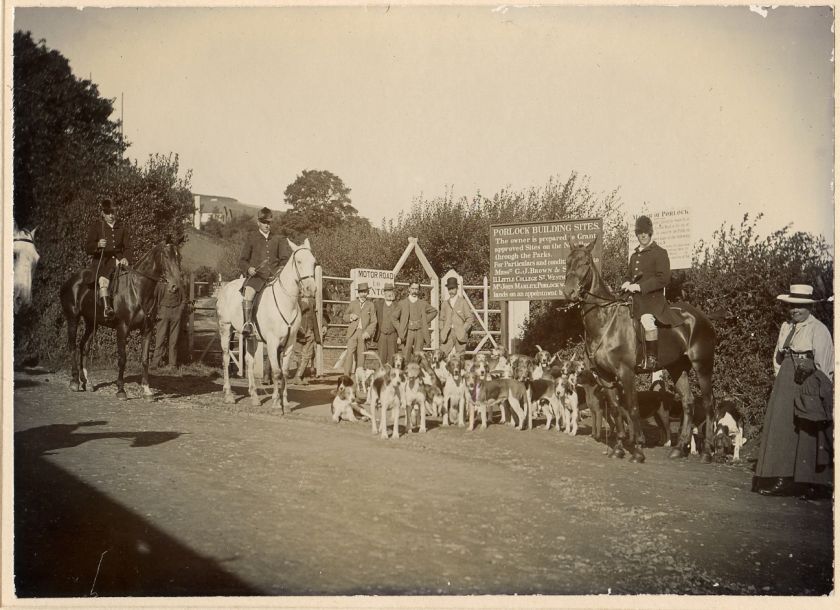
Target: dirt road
x=186 y=496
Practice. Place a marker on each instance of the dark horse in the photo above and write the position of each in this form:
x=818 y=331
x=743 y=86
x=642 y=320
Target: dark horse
x=136 y=298
x=610 y=342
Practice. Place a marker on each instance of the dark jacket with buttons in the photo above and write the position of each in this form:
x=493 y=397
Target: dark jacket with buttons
x=651 y=270
x=267 y=255
x=117 y=246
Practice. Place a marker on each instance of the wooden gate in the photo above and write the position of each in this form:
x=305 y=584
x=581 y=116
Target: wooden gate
x=487 y=332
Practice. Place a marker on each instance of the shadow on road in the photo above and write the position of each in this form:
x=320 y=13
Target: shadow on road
x=73 y=541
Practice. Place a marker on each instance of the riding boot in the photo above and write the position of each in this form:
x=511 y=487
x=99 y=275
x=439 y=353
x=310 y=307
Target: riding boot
x=651 y=350
x=247 y=309
x=107 y=310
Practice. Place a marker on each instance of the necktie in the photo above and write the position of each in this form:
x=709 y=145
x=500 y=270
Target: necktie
x=789 y=337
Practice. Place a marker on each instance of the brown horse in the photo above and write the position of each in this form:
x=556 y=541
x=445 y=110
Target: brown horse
x=610 y=342
x=136 y=297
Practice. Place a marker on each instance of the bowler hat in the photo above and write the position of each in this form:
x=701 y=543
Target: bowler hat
x=802 y=294
x=264 y=215
x=452 y=282
x=388 y=286
x=362 y=287
x=107 y=206
x=644 y=225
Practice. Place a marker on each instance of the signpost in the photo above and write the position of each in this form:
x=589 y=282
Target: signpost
x=375 y=278
x=528 y=260
x=672 y=231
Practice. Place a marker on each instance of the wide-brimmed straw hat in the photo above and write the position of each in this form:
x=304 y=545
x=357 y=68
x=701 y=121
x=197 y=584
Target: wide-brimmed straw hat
x=802 y=294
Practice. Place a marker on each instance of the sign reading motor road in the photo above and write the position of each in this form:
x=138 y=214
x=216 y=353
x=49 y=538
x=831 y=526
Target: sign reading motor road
x=375 y=278
x=528 y=260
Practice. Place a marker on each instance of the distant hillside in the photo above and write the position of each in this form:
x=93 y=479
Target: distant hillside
x=217 y=204
x=201 y=249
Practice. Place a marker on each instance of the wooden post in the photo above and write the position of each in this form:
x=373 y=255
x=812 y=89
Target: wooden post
x=319 y=317
x=191 y=325
x=505 y=338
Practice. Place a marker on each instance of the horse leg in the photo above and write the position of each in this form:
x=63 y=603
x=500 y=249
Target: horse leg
x=707 y=397
x=144 y=358
x=617 y=429
x=76 y=384
x=249 y=372
x=637 y=435
x=278 y=396
x=224 y=335
x=122 y=332
x=687 y=400
x=284 y=358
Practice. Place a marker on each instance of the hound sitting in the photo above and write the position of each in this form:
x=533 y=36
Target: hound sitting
x=729 y=432
x=454 y=390
x=567 y=394
x=544 y=399
x=542 y=364
x=344 y=401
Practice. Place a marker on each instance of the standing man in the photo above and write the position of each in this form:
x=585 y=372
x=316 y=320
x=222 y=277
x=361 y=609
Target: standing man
x=361 y=320
x=108 y=243
x=414 y=317
x=170 y=311
x=262 y=255
x=387 y=317
x=308 y=335
x=456 y=320
x=650 y=272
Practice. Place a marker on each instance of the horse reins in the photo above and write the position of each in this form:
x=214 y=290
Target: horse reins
x=298 y=280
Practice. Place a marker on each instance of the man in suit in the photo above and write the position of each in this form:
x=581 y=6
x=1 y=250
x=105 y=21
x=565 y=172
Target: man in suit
x=456 y=320
x=387 y=327
x=168 y=326
x=361 y=320
x=415 y=314
x=263 y=253
x=108 y=243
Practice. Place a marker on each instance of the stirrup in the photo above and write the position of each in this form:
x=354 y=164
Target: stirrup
x=248 y=328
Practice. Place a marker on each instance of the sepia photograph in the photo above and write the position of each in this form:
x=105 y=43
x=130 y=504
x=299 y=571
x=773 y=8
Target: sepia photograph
x=427 y=305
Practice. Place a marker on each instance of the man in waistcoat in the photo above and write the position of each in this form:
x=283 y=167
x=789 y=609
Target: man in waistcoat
x=387 y=327
x=108 y=243
x=263 y=254
x=415 y=314
x=168 y=327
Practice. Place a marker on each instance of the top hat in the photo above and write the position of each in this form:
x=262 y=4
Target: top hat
x=644 y=225
x=802 y=294
x=452 y=282
x=362 y=287
x=264 y=215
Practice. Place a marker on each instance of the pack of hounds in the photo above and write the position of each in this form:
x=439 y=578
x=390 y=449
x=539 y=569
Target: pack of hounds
x=458 y=390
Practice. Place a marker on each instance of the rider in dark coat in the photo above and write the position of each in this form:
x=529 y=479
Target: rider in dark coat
x=650 y=272
x=108 y=243
x=262 y=255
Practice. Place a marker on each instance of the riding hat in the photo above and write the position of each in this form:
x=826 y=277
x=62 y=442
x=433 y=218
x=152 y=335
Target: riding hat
x=452 y=283
x=362 y=287
x=107 y=206
x=644 y=225
x=802 y=294
x=264 y=215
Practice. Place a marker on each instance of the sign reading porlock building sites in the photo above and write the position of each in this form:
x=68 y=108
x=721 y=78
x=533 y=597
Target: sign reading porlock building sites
x=528 y=260
x=375 y=278
x=672 y=231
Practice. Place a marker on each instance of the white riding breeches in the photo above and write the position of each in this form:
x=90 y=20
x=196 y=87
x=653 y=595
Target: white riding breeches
x=648 y=321
x=103 y=286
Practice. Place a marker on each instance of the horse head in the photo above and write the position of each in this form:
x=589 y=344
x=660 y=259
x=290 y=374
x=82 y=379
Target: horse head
x=579 y=270
x=25 y=258
x=303 y=262
x=163 y=263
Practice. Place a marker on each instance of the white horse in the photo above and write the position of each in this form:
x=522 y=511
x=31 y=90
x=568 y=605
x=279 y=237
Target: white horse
x=25 y=260
x=277 y=320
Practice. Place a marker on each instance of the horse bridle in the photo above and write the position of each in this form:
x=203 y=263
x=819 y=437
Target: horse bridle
x=161 y=279
x=28 y=240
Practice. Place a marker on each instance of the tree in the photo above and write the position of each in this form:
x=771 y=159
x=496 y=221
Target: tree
x=319 y=200
x=68 y=155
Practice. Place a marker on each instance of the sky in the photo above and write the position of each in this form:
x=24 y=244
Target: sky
x=719 y=110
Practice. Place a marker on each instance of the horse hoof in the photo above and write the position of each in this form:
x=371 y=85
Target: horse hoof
x=705 y=459
x=229 y=399
x=676 y=453
x=121 y=395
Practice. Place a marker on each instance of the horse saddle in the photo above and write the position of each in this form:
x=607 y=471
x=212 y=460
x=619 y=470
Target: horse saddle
x=670 y=345
x=89 y=279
